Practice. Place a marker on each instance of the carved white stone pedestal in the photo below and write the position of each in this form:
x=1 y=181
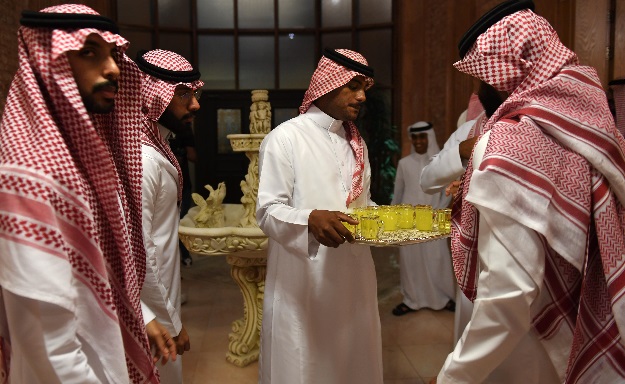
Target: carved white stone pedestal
x=246 y=253
x=248 y=270
x=240 y=238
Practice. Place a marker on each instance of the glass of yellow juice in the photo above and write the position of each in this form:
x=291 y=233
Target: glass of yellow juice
x=371 y=227
x=423 y=217
x=405 y=219
x=389 y=215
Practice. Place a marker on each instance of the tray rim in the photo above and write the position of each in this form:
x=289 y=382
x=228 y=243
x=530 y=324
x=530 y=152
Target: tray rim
x=409 y=241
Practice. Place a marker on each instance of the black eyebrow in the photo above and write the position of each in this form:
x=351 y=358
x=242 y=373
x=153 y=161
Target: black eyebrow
x=357 y=80
x=92 y=43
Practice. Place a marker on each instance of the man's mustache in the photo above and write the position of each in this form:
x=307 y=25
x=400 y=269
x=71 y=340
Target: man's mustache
x=188 y=115
x=106 y=84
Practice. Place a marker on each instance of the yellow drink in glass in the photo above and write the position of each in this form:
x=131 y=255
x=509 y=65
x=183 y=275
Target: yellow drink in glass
x=423 y=217
x=447 y=214
x=389 y=216
x=405 y=218
x=370 y=227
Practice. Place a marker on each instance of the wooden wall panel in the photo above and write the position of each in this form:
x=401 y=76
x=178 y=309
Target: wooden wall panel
x=413 y=68
x=561 y=15
x=592 y=35
x=431 y=89
x=439 y=60
x=619 y=41
x=459 y=85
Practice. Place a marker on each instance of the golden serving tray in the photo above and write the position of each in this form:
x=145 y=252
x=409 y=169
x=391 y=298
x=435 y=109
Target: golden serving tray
x=404 y=237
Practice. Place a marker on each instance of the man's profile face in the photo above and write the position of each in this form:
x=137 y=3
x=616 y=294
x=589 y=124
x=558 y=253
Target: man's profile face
x=420 y=142
x=181 y=110
x=96 y=73
x=343 y=103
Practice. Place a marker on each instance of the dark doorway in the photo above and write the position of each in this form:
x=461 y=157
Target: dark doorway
x=223 y=113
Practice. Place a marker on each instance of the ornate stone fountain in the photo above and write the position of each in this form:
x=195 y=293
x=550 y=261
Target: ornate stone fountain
x=213 y=229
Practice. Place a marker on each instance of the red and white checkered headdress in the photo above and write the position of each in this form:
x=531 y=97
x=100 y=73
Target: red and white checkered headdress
x=158 y=88
x=554 y=150
x=163 y=71
x=71 y=186
x=329 y=76
x=506 y=56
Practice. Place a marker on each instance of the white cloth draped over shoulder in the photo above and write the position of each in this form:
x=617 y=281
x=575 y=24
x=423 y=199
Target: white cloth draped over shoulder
x=320 y=313
x=495 y=347
x=555 y=169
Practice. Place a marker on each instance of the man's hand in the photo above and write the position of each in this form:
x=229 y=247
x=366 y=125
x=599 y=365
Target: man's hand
x=161 y=343
x=452 y=189
x=328 y=229
x=466 y=147
x=182 y=341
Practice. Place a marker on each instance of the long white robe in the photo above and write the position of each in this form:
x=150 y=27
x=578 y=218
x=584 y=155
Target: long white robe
x=160 y=295
x=45 y=344
x=320 y=311
x=499 y=345
x=426 y=274
x=443 y=168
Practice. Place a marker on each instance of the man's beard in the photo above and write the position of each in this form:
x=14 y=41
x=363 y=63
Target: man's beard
x=174 y=124
x=98 y=108
x=490 y=98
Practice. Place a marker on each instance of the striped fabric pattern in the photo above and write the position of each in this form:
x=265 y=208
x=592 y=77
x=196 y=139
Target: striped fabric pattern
x=554 y=149
x=70 y=187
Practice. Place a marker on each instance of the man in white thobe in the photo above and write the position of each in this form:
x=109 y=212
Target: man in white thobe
x=320 y=311
x=538 y=233
x=169 y=98
x=71 y=249
x=426 y=275
x=445 y=168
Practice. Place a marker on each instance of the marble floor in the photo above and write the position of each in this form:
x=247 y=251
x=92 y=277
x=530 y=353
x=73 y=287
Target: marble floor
x=414 y=345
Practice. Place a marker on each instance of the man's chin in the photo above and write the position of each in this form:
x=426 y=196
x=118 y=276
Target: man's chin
x=101 y=108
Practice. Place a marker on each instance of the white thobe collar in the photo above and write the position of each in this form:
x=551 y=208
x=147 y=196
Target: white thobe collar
x=325 y=121
x=166 y=134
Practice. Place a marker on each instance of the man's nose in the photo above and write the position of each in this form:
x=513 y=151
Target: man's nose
x=194 y=105
x=361 y=96
x=111 y=69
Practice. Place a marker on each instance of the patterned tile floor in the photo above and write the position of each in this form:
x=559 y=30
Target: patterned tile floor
x=414 y=345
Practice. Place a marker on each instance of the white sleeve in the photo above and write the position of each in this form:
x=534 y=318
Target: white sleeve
x=154 y=295
x=275 y=214
x=45 y=342
x=501 y=313
x=446 y=166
